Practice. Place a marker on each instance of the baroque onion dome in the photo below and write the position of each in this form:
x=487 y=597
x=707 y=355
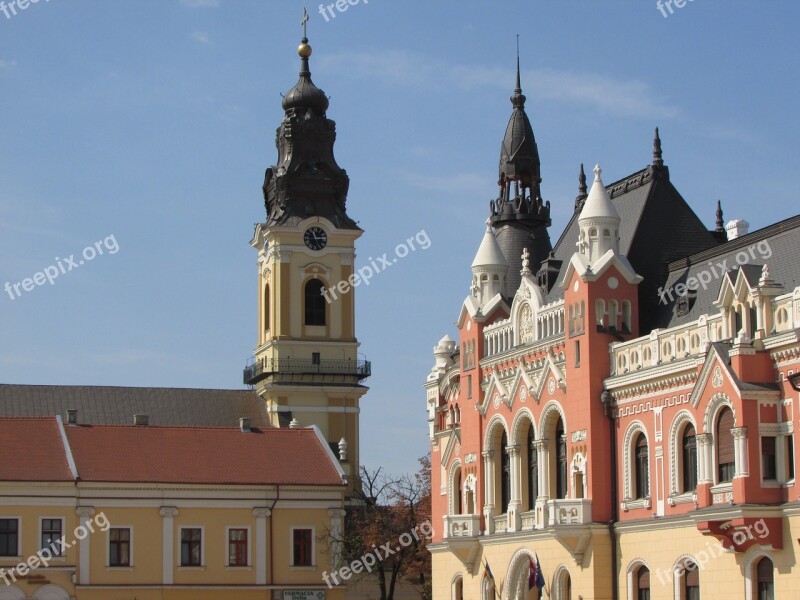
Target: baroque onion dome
x=306 y=181
x=519 y=215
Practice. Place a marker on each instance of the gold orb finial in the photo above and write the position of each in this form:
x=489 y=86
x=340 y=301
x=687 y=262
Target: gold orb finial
x=304 y=50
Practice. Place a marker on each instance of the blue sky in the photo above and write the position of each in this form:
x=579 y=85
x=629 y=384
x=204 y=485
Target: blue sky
x=153 y=122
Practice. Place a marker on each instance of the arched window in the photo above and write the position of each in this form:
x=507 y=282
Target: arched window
x=458 y=589
x=561 y=461
x=567 y=587
x=642 y=467
x=689 y=464
x=725 y=453
x=266 y=308
x=643 y=583
x=505 y=474
x=626 y=316
x=600 y=313
x=456 y=491
x=315 y=303
x=533 y=470
x=691 y=581
x=764 y=580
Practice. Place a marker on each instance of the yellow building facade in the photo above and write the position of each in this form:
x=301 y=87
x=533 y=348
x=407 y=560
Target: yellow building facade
x=216 y=532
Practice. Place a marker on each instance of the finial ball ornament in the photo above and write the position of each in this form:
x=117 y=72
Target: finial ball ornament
x=304 y=50
x=597 y=171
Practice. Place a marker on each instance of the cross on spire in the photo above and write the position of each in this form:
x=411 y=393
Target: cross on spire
x=304 y=23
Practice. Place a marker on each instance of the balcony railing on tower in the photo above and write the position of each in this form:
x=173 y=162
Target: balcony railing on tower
x=295 y=369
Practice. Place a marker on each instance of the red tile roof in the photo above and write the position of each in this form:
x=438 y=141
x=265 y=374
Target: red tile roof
x=32 y=450
x=191 y=455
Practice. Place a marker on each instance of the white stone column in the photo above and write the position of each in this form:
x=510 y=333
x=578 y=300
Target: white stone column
x=740 y=451
x=168 y=544
x=515 y=464
x=260 y=550
x=86 y=513
x=543 y=460
x=488 y=487
x=705 y=467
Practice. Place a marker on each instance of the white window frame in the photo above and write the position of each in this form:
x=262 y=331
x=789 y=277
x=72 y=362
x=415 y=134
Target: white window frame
x=313 y=565
x=19 y=537
x=111 y=567
x=56 y=557
x=202 y=548
x=226 y=557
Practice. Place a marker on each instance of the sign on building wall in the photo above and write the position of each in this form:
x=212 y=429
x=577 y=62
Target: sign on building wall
x=304 y=595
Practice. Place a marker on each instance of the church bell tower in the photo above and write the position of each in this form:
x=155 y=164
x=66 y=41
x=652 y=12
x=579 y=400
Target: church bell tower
x=306 y=366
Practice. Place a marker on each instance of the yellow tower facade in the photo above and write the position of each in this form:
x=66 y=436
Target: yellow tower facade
x=306 y=364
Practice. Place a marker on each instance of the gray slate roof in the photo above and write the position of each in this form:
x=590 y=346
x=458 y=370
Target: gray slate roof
x=777 y=245
x=657 y=226
x=116 y=405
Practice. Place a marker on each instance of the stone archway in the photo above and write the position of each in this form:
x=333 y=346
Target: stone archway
x=516 y=582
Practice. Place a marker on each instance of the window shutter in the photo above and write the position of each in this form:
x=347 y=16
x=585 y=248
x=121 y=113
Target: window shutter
x=725 y=437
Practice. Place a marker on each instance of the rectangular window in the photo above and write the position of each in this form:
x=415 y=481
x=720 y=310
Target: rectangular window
x=302 y=548
x=790 y=457
x=469 y=386
x=9 y=537
x=192 y=547
x=577 y=354
x=119 y=547
x=237 y=547
x=315 y=358
x=768 y=462
x=52 y=530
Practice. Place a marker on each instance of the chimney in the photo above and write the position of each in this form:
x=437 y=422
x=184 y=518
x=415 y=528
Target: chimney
x=72 y=416
x=294 y=424
x=343 y=450
x=244 y=424
x=141 y=420
x=737 y=228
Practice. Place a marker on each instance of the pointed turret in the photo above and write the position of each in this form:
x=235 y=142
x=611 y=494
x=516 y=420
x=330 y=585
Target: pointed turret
x=599 y=222
x=519 y=215
x=581 y=197
x=489 y=269
x=658 y=168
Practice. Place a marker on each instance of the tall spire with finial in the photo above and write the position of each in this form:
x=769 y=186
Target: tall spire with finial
x=520 y=215
x=582 y=190
x=518 y=89
x=658 y=158
x=720 y=222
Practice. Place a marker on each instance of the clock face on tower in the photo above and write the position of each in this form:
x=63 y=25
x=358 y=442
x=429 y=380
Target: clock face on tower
x=315 y=238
